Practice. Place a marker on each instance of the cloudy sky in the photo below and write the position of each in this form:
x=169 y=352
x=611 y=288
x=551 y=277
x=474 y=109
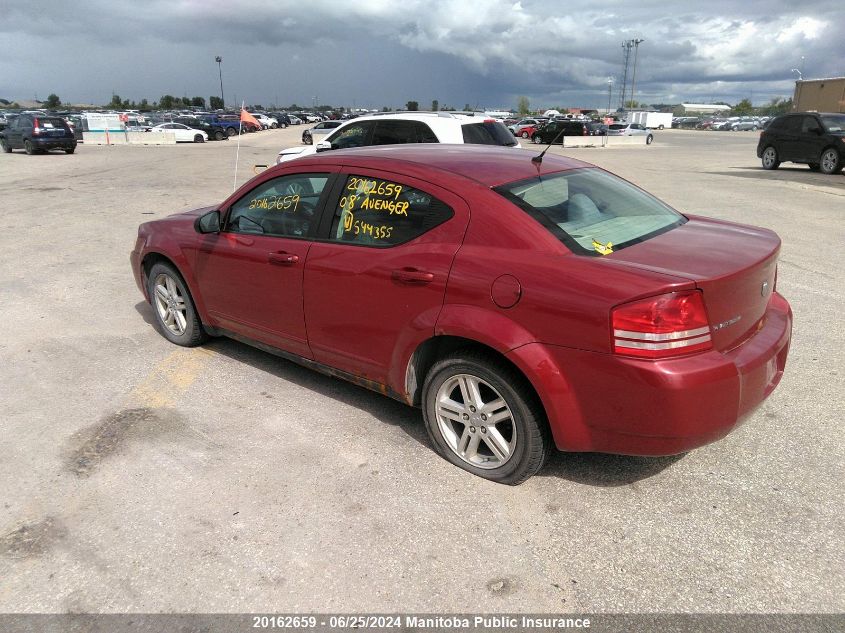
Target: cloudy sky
x=374 y=53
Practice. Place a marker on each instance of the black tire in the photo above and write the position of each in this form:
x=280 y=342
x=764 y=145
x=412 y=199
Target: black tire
x=649 y=139
x=525 y=134
x=7 y=149
x=198 y=138
x=538 y=140
x=231 y=131
x=306 y=138
x=660 y=127
x=70 y=150
x=193 y=333
x=830 y=161
x=525 y=425
x=274 y=126
x=219 y=135
x=28 y=148
x=770 y=158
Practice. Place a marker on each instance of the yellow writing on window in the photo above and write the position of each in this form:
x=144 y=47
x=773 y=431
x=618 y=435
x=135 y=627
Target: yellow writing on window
x=378 y=187
x=276 y=203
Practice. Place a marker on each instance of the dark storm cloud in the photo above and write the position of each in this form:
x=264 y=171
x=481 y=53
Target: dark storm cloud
x=382 y=52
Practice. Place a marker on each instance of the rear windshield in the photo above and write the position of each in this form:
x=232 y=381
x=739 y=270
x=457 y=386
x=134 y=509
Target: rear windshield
x=618 y=126
x=488 y=133
x=834 y=122
x=591 y=211
x=52 y=122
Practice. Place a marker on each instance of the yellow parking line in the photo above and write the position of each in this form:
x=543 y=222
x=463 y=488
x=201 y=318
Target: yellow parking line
x=170 y=378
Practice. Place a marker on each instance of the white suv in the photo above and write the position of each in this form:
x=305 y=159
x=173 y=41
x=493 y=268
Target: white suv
x=387 y=128
x=267 y=122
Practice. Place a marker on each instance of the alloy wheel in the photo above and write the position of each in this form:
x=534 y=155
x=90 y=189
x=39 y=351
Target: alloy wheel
x=475 y=421
x=170 y=304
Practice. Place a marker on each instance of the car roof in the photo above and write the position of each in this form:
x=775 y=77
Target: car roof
x=488 y=165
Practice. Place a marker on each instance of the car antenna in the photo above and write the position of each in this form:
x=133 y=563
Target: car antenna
x=539 y=159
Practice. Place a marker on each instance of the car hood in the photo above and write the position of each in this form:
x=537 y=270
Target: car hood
x=290 y=153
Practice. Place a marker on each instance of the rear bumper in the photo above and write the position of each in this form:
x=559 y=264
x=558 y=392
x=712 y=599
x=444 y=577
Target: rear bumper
x=636 y=407
x=53 y=143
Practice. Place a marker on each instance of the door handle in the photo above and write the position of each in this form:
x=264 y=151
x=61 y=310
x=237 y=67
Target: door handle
x=412 y=276
x=283 y=259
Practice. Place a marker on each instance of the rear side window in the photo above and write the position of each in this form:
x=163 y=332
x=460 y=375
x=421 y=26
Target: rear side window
x=377 y=212
x=353 y=135
x=591 y=211
x=395 y=132
x=487 y=133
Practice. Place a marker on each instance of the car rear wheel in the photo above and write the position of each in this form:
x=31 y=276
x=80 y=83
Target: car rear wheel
x=482 y=416
x=198 y=138
x=830 y=162
x=175 y=313
x=537 y=139
x=7 y=149
x=525 y=135
x=28 y=148
x=649 y=139
x=70 y=150
x=231 y=131
x=219 y=135
x=770 y=158
x=306 y=138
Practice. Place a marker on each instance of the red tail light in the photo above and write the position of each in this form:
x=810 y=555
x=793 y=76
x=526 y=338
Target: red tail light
x=668 y=325
x=35 y=128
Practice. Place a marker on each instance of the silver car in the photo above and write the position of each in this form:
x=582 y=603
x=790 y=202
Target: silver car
x=630 y=129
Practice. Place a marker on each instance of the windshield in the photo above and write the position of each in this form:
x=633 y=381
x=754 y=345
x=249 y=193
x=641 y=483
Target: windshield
x=834 y=122
x=591 y=211
x=487 y=133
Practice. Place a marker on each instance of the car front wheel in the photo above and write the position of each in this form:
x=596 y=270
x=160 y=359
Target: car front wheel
x=770 y=158
x=482 y=416
x=537 y=139
x=649 y=139
x=7 y=149
x=830 y=162
x=28 y=147
x=175 y=313
x=199 y=139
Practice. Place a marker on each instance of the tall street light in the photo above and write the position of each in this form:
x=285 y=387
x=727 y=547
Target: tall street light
x=637 y=43
x=219 y=61
x=609 y=91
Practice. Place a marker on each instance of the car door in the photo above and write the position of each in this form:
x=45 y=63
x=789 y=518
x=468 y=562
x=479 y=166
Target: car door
x=15 y=132
x=250 y=274
x=788 y=138
x=375 y=283
x=811 y=140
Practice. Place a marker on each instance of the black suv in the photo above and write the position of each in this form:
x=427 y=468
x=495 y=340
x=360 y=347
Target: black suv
x=38 y=133
x=814 y=138
x=563 y=127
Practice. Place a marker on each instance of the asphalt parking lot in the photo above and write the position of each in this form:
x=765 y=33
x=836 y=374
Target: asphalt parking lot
x=141 y=477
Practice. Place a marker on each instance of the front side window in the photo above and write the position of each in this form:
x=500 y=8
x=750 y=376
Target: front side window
x=591 y=211
x=353 y=135
x=833 y=122
x=377 y=212
x=285 y=206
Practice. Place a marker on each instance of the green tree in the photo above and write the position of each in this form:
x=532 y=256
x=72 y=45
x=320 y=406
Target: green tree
x=435 y=105
x=412 y=106
x=215 y=103
x=53 y=102
x=116 y=101
x=743 y=108
x=198 y=102
x=166 y=102
x=144 y=105
x=522 y=106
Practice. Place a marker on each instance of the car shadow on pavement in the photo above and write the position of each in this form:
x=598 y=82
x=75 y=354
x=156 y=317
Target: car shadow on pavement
x=603 y=470
x=381 y=407
x=593 y=469
x=798 y=174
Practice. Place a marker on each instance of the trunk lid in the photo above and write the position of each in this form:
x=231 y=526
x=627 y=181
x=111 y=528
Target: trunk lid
x=733 y=264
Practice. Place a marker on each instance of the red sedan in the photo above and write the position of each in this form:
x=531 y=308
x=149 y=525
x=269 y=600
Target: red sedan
x=521 y=304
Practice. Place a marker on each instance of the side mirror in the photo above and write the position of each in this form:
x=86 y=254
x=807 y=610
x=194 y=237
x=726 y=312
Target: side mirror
x=323 y=146
x=208 y=223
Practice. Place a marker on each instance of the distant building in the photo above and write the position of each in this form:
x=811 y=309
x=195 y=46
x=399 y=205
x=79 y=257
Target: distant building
x=705 y=108
x=820 y=95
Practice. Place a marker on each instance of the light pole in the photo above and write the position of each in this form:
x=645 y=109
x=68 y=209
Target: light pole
x=609 y=92
x=637 y=43
x=219 y=61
